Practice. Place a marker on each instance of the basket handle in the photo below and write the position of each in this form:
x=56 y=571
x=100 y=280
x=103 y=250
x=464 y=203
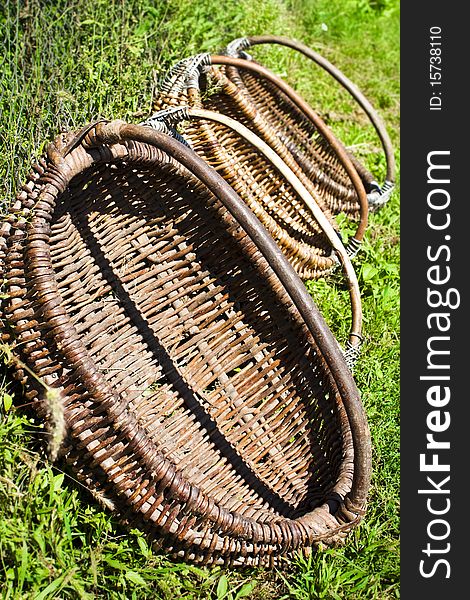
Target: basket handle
x=186 y=113
x=64 y=333
x=381 y=195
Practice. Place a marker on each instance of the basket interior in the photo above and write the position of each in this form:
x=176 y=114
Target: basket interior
x=185 y=320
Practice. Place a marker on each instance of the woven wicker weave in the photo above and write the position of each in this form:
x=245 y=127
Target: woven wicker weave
x=334 y=183
x=200 y=393
x=287 y=114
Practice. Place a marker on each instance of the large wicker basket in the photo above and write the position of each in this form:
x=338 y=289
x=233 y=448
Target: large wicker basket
x=287 y=113
x=184 y=371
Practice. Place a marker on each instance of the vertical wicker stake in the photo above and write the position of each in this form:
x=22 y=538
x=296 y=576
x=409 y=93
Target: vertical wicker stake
x=205 y=399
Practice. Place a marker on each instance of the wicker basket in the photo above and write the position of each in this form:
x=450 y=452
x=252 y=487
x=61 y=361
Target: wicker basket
x=288 y=116
x=333 y=181
x=184 y=371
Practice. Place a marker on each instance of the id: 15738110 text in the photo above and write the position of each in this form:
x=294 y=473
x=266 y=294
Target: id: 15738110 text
x=435 y=67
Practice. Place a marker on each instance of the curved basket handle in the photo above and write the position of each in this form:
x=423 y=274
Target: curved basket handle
x=63 y=332
x=382 y=194
x=185 y=113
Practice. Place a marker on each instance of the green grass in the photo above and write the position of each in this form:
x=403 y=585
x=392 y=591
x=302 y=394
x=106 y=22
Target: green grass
x=66 y=62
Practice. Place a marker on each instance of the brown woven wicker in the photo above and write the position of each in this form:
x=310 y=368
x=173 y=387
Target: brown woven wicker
x=288 y=116
x=161 y=331
x=334 y=183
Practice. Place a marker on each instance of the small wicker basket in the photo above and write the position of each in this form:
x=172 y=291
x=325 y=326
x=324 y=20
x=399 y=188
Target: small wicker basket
x=333 y=181
x=184 y=371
